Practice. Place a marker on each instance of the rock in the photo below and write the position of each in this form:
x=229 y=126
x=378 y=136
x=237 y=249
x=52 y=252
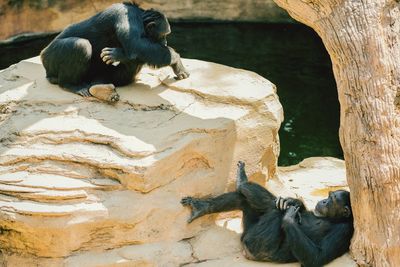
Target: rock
x=311 y=179
x=48 y=16
x=82 y=181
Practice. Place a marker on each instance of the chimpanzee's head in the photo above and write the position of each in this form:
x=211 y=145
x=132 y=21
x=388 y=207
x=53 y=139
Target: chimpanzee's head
x=156 y=26
x=336 y=206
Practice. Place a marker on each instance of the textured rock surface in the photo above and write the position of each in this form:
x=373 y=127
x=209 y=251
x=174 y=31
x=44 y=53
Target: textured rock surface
x=311 y=179
x=43 y=16
x=84 y=183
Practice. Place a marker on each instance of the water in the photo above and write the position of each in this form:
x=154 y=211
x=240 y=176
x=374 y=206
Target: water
x=291 y=56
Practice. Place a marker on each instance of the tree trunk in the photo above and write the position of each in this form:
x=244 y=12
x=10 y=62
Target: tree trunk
x=363 y=40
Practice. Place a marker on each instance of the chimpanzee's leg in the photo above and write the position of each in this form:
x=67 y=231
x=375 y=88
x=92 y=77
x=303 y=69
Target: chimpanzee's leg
x=262 y=239
x=202 y=206
x=252 y=199
x=67 y=62
x=257 y=197
x=125 y=73
x=225 y=202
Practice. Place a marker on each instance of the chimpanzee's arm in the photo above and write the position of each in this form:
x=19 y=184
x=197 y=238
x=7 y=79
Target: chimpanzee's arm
x=130 y=33
x=310 y=254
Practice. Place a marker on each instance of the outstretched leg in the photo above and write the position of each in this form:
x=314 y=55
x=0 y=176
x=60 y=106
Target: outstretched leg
x=225 y=202
x=67 y=62
x=251 y=198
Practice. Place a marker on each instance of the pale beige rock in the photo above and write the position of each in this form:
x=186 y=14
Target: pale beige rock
x=312 y=178
x=101 y=184
x=168 y=254
x=215 y=243
x=237 y=260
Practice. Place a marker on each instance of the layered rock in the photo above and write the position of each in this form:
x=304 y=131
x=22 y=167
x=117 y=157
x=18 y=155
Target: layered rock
x=45 y=16
x=85 y=183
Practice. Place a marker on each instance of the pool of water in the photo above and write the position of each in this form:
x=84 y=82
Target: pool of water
x=291 y=56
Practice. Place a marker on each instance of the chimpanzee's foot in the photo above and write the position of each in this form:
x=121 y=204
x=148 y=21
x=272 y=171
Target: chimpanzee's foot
x=104 y=92
x=241 y=177
x=198 y=207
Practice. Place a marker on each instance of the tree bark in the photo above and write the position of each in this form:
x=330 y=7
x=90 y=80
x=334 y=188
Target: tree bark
x=363 y=40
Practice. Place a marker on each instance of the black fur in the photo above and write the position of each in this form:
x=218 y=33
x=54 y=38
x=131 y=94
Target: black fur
x=282 y=235
x=82 y=54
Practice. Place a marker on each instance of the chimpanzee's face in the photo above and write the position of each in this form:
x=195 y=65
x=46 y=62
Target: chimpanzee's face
x=158 y=30
x=336 y=206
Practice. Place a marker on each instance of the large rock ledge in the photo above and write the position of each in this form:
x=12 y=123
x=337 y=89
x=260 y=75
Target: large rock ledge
x=85 y=183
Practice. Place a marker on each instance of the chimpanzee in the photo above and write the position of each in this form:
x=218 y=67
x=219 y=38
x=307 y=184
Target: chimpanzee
x=90 y=58
x=281 y=229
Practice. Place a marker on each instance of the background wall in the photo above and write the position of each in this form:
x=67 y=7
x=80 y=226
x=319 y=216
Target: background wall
x=26 y=16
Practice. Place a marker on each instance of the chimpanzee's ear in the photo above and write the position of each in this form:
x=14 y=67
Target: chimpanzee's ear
x=150 y=25
x=346 y=212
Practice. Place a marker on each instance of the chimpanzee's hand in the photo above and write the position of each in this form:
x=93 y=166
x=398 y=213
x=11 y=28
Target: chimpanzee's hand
x=284 y=203
x=112 y=55
x=292 y=216
x=180 y=71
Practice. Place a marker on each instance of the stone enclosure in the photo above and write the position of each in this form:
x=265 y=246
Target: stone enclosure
x=85 y=183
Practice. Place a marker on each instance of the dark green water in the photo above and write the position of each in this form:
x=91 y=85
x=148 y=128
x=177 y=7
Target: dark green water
x=291 y=56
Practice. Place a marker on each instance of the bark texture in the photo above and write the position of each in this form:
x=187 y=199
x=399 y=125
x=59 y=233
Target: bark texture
x=363 y=40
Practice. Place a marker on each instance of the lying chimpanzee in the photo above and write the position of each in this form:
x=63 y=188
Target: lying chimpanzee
x=281 y=229
x=84 y=57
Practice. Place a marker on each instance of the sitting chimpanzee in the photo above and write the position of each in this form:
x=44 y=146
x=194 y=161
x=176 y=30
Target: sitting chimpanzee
x=281 y=229
x=109 y=49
